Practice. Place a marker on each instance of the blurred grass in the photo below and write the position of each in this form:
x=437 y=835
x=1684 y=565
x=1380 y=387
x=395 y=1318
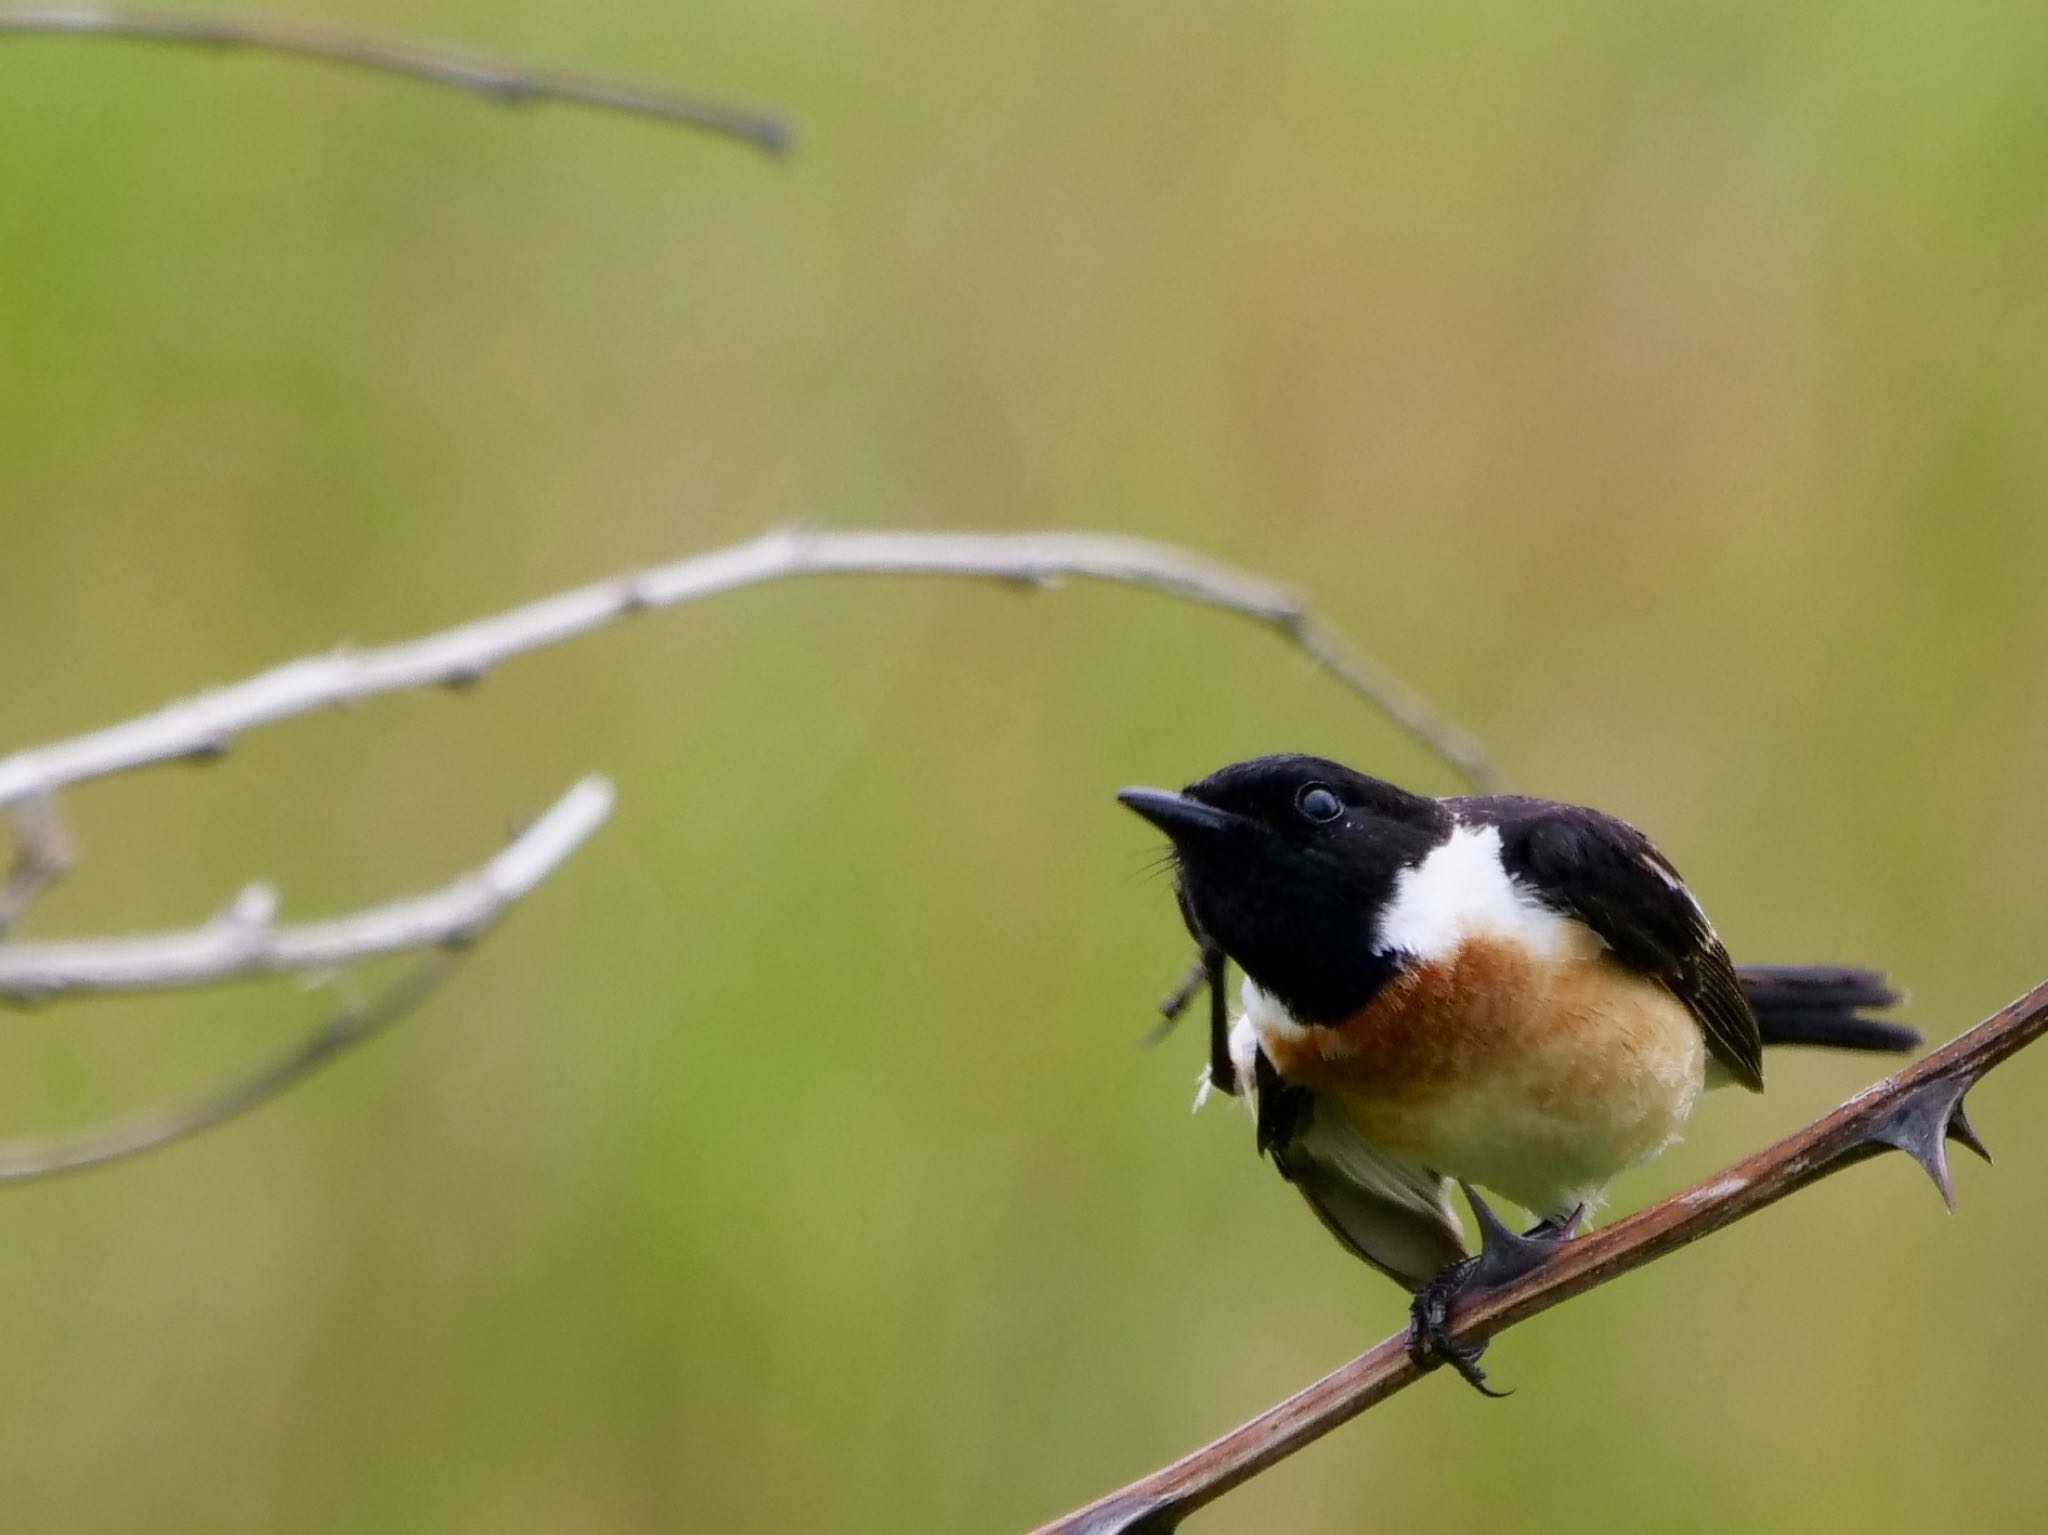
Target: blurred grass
x=1660 y=389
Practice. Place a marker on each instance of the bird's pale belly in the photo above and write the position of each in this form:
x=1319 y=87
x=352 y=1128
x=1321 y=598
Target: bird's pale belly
x=1541 y=1077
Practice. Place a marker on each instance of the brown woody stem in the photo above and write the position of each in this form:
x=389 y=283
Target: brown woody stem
x=1918 y=1111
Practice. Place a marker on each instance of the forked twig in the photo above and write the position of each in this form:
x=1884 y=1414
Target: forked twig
x=494 y=79
x=481 y=902
x=246 y=941
x=1918 y=1111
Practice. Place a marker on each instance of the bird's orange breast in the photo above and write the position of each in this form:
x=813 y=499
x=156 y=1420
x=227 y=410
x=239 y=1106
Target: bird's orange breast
x=1436 y=1024
x=1530 y=1072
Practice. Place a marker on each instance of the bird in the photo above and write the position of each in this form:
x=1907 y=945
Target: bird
x=1493 y=990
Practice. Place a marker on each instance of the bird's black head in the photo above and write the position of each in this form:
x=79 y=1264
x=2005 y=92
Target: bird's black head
x=1285 y=863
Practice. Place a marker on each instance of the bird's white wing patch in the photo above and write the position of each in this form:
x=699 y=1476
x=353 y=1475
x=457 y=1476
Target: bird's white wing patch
x=1462 y=891
x=1393 y=1213
x=1332 y=1141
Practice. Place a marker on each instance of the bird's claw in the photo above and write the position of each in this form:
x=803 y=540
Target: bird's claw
x=1429 y=1336
x=1504 y=1256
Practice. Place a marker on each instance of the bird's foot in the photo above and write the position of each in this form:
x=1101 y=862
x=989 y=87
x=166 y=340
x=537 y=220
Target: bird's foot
x=1504 y=1256
x=1429 y=1338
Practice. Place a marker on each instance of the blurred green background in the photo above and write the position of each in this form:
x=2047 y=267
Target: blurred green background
x=1660 y=388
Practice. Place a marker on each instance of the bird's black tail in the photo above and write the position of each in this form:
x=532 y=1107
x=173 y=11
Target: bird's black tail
x=1820 y=1004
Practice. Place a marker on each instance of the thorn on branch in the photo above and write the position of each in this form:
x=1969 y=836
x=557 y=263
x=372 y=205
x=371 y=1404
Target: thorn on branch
x=1961 y=1131
x=1136 y=1516
x=1922 y=1123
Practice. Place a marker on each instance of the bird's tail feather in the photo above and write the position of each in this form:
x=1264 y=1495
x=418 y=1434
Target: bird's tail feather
x=1820 y=1004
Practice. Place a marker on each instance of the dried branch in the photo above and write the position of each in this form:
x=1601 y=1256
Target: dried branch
x=355 y=1024
x=445 y=924
x=204 y=727
x=495 y=80
x=1918 y=1111
x=246 y=941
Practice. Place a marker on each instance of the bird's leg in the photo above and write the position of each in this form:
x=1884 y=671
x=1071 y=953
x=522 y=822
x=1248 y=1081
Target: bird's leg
x=1222 y=1070
x=1504 y=1256
x=1207 y=972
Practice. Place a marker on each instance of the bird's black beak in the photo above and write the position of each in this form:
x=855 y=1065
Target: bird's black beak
x=1176 y=814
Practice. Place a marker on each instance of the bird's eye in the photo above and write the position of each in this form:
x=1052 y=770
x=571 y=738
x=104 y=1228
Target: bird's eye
x=1318 y=803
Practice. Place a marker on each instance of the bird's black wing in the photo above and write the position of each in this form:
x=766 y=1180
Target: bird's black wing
x=1612 y=878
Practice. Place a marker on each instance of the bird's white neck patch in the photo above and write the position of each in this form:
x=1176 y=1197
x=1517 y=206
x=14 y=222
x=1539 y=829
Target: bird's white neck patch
x=1463 y=891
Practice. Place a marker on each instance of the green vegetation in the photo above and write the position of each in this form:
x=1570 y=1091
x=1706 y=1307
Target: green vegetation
x=1660 y=388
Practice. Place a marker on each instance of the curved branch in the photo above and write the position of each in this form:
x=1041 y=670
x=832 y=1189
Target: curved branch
x=1918 y=1111
x=25 y=1161
x=490 y=894
x=496 y=80
x=203 y=727
x=245 y=941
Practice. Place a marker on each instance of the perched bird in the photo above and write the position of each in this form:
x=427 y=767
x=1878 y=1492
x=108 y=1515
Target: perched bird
x=1493 y=989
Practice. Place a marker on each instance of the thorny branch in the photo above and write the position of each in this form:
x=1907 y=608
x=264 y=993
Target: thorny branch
x=496 y=80
x=1918 y=1111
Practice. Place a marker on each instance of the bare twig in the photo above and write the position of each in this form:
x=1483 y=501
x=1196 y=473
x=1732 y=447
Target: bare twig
x=42 y=855
x=496 y=80
x=1194 y=980
x=245 y=940
x=1918 y=1111
x=353 y=1024
x=444 y=924
x=203 y=727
